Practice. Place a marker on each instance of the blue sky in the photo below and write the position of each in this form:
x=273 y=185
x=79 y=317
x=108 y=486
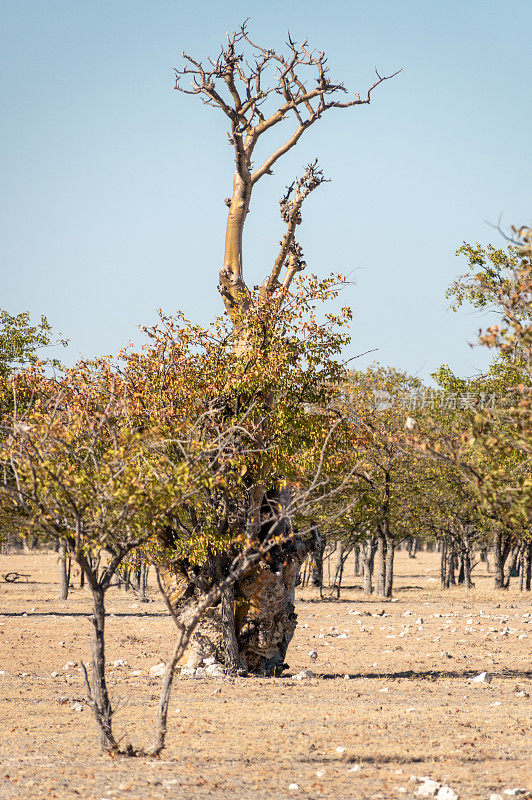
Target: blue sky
x=114 y=183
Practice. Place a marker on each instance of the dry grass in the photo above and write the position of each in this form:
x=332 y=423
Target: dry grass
x=406 y=710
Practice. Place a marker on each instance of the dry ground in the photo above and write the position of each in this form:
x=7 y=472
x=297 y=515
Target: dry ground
x=407 y=709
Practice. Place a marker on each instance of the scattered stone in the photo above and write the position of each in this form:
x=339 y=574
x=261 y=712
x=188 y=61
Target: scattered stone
x=313 y=655
x=355 y=768
x=320 y=773
x=482 y=677
x=294 y=787
x=446 y=793
x=70 y=664
x=305 y=673
x=54 y=674
x=428 y=788
x=119 y=663
x=158 y=670
x=514 y=792
x=76 y=706
x=340 y=749
x=135 y=673
x=496 y=796
x=214 y=670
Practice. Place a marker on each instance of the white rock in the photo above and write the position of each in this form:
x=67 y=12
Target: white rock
x=496 y=796
x=135 y=673
x=355 y=768
x=482 y=677
x=513 y=792
x=419 y=621
x=214 y=670
x=54 y=674
x=119 y=663
x=76 y=706
x=158 y=670
x=320 y=773
x=70 y=664
x=347 y=677
x=428 y=789
x=188 y=672
x=293 y=787
x=446 y=793
x=305 y=673
x=341 y=749
x=313 y=655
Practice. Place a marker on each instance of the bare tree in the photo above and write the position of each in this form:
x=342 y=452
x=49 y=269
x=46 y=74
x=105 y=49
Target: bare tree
x=258 y=89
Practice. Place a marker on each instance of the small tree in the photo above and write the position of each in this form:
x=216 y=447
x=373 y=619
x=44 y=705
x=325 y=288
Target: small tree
x=492 y=446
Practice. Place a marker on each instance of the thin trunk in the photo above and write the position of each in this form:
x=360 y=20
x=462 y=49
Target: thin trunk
x=63 y=571
x=390 y=548
x=100 y=695
x=466 y=560
x=444 y=582
x=357 y=561
x=316 y=559
x=509 y=571
x=451 y=563
x=501 y=550
x=527 y=566
x=368 y=562
x=341 y=556
x=381 y=562
x=229 y=639
x=143 y=581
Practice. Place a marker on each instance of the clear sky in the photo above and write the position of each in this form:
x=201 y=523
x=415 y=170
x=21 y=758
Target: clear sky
x=113 y=184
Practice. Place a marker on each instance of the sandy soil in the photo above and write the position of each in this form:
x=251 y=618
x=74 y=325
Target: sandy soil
x=406 y=708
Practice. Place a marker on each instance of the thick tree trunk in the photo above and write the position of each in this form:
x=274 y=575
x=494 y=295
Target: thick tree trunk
x=263 y=608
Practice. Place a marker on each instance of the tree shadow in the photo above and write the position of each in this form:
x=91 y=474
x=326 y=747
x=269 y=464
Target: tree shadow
x=428 y=674
x=82 y=614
